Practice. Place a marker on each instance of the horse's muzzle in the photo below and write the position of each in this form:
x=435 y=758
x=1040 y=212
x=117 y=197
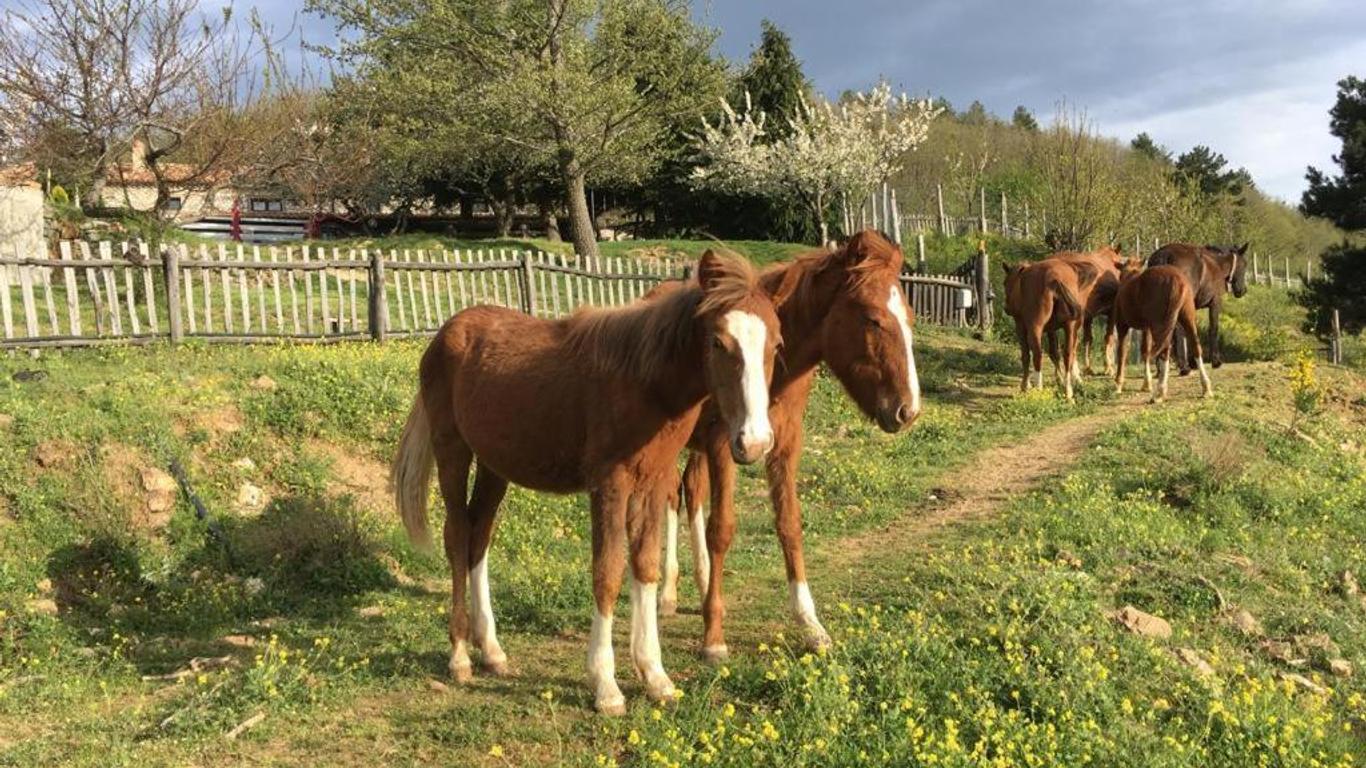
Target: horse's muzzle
x=747 y=449
x=894 y=419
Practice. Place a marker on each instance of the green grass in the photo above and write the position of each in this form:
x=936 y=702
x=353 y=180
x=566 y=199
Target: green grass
x=990 y=636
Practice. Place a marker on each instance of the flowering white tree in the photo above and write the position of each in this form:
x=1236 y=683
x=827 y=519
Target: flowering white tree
x=832 y=150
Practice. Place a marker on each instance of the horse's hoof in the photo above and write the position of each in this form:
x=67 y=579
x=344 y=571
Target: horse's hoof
x=1185 y=372
x=816 y=639
x=498 y=667
x=668 y=607
x=661 y=691
x=462 y=673
x=611 y=706
x=1217 y=363
x=715 y=654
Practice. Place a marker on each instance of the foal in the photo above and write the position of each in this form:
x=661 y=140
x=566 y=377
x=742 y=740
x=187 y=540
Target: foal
x=1155 y=300
x=602 y=401
x=1043 y=297
x=845 y=308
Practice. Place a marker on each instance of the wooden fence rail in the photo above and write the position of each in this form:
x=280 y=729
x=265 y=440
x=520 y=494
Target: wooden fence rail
x=107 y=293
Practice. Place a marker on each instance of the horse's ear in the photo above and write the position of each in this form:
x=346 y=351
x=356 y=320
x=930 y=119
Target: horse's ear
x=791 y=279
x=709 y=269
x=1242 y=249
x=867 y=245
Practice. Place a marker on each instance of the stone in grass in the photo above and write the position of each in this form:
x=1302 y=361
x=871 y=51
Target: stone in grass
x=161 y=490
x=43 y=605
x=370 y=612
x=239 y=641
x=1192 y=659
x=1141 y=623
x=244 y=464
x=250 y=497
x=437 y=686
x=1340 y=667
x=1245 y=623
x=1350 y=588
x=1304 y=682
x=263 y=383
x=6 y=421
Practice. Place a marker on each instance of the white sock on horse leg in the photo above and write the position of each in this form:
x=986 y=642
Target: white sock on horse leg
x=645 y=651
x=602 y=667
x=803 y=609
x=701 y=556
x=1206 y=387
x=482 y=623
x=669 y=598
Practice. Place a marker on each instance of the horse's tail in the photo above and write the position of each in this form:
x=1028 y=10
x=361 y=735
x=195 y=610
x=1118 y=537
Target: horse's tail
x=1064 y=293
x=410 y=475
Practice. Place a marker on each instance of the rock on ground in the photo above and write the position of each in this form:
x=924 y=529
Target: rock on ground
x=1141 y=623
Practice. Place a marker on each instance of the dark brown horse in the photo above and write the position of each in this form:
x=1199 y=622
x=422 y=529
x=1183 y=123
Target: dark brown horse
x=1156 y=301
x=847 y=309
x=602 y=401
x=1212 y=271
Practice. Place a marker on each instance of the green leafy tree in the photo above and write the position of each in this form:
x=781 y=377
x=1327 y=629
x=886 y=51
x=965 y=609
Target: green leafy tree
x=774 y=79
x=1342 y=198
x=1206 y=169
x=593 y=84
x=975 y=114
x=1144 y=145
x=1024 y=120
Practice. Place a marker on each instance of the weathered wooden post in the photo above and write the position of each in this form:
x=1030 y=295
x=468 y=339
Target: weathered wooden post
x=1336 y=348
x=170 y=263
x=1287 y=271
x=896 y=219
x=378 y=306
x=1308 y=270
x=982 y=209
x=528 y=279
x=983 y=275
x=1005 y=216
x=921 y=266
x=1256 y=270
x=939 y=196
x=1027 y=233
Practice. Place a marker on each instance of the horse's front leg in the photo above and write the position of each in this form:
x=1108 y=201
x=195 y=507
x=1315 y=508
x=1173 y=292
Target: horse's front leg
x=720 y=532
x=1216 y=355
x=642 y=524
x=787 y=519
x=1109 y=343
x=609 y=531
x=1087 y=344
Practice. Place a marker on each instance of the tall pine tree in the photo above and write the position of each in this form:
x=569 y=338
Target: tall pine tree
x=773 y=79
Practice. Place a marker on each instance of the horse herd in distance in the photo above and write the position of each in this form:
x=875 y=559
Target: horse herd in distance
x=722 y=365
x=1069 y=289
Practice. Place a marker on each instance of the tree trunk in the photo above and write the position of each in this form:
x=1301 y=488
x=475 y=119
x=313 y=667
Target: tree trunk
x=581 y=231
x=550 y=223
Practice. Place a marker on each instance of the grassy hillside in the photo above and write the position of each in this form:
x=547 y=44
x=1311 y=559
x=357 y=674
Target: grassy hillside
x=968 y=569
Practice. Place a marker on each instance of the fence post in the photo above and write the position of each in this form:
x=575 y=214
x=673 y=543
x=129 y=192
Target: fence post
x=1287 y=271
x=921 y=266
x=1005 y=216
x=1308 y=270
x=170 y=264
x=939 y=196
x=378 y=306
x=1027 y=233
x=1336 y=349
x=982 y=209
x=528 y=285
x=983 y=275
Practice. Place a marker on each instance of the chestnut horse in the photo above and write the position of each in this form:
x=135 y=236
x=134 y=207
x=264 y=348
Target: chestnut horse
x=602 y=401
x=1212 y=271
x=1108 y=261
x=1156 y=300
x=845 y=308
x=1043 y=297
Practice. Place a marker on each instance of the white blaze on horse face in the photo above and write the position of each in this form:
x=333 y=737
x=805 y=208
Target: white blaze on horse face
x=896 y=304
x=750 y=335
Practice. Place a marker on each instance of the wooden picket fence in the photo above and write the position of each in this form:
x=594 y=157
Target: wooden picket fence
x=109 y=293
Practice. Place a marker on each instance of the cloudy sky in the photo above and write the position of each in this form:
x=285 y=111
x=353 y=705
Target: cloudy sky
x=1251 y=78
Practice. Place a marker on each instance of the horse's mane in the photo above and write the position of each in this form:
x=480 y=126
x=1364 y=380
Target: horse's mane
x=794 y=281
x=640 y=341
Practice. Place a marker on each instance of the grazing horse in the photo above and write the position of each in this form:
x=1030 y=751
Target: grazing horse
x=602 y=401
x=843 y=307
x=1107 y=261
x=1043 y=297
x=1156 y=300
x=1212 y=271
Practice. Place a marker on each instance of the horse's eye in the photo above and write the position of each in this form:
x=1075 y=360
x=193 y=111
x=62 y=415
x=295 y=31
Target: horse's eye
x=717 y=344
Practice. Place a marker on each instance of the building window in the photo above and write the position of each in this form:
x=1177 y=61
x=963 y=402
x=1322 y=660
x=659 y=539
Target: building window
x=174 y=204
x=258 y=204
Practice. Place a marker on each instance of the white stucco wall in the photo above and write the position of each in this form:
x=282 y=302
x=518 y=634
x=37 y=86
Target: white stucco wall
x=21 y=221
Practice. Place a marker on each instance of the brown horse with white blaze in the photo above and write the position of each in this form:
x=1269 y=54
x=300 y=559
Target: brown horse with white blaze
x=845 y=308
x=602 y=401
x=1156 y=301
x=1212 y=271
